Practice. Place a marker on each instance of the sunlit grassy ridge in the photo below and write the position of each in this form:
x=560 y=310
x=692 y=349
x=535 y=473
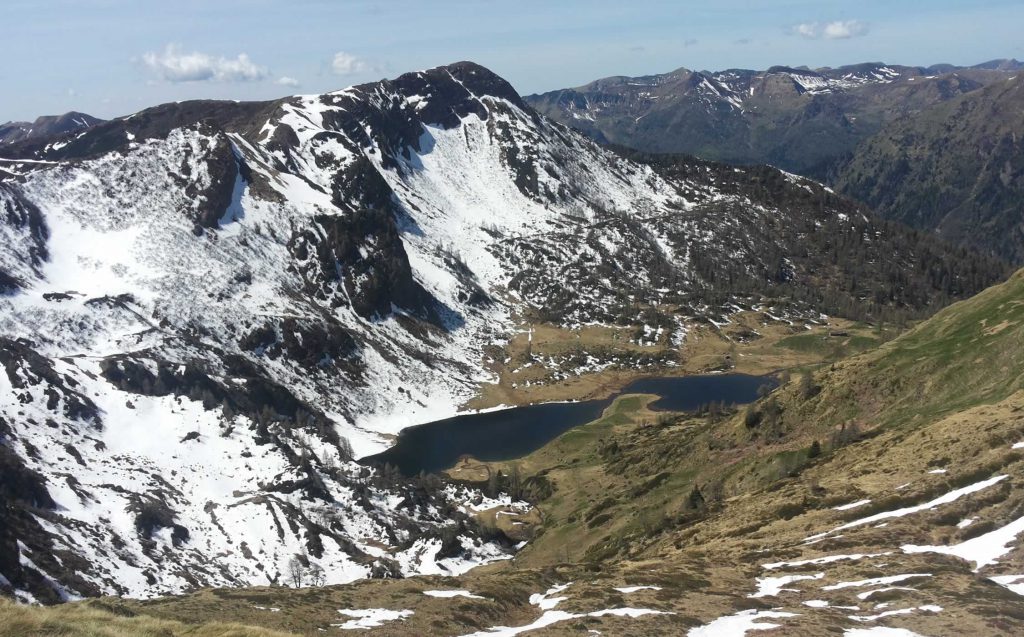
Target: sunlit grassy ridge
x=969 y=353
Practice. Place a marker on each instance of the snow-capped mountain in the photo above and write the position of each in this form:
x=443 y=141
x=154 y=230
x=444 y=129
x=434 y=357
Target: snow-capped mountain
x=209 y=308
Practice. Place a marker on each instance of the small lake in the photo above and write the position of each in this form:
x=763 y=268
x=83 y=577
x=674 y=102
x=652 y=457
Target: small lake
x=511 y=433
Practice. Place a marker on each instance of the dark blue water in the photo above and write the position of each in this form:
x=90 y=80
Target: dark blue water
x=512 y=433
x=687 y=393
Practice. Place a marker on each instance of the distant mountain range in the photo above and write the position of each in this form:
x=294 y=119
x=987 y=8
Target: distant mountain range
x=46 y=126
x=798 y=119
x=822 y=123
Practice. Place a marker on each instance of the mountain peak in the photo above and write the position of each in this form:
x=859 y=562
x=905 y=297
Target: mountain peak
x=803 y=70
x=1000 y=64
x=441 y=95
x=476 y=79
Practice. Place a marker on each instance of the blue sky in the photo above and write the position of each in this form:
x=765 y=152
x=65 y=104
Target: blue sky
x=115 y=57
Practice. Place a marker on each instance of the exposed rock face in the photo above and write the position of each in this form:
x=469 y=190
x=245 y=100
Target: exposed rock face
x=209 y=308
x=24 y=232
x=359 y=259
x=216 y=199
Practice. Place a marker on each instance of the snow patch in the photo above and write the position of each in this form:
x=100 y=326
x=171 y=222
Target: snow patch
x=952 y=496
x=983 y=550
x=371 y=618
x=772 y=586
x=852 y=505
x=449 y=594
x=739 y=624
x=874 y=581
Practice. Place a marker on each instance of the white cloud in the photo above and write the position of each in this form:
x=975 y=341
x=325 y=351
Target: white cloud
x=348 y=64
x=842 y=29
x=807 y=29
x=174 y=65
x=835 y=30
x=287 y=81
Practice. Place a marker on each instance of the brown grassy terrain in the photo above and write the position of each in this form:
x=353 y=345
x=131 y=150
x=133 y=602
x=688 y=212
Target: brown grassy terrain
x=100 y=619
x=542 y=362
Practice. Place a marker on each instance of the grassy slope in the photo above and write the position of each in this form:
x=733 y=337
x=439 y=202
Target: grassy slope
x=968 y=354
x=946 y=395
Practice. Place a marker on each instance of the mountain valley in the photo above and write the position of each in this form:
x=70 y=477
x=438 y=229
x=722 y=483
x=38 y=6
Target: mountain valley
x=881 y=492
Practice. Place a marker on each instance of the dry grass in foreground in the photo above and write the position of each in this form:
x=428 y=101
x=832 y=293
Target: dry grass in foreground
x=87 y=619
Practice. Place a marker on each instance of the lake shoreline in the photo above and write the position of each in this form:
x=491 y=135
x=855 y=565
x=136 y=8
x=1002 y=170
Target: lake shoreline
x=508 y=433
